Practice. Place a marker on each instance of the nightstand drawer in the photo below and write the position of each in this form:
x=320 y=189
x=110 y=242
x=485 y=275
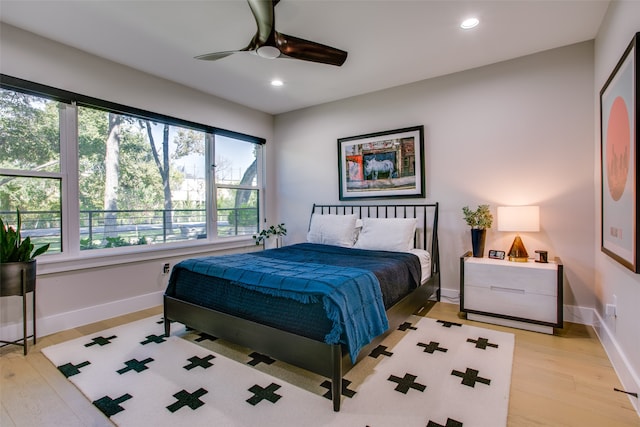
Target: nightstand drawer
x=511 y=302
x=532 y=280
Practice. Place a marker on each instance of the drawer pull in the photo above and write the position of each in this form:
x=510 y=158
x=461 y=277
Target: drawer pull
x=511 y=290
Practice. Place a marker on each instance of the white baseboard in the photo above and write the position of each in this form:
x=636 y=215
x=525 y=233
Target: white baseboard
x=577 y=314
x=450 y=295
x=72 y=319
x=627 y=375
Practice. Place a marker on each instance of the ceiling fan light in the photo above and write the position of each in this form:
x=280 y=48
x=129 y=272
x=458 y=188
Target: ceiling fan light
x=268 y=52
x=469 y=23
x=277 y=82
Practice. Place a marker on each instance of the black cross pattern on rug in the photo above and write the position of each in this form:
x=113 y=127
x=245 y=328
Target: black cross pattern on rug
x=380 y=350
x=135 y=365
x=69 y=369
x=406 y=326
x=266 y=393
x=257 y=358
x=470 y=377
x=109 y=406
x=446 y=324
x=205 y=337
x=450 y=423
x=101 y=341
x=192 y=400
x=345 y=389
x=431 y=347
x=158 y=339
x=482 y=343
x=203 y=362
x=406 y=383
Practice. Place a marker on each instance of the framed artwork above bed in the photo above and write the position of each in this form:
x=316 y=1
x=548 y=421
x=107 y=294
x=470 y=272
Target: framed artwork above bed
x=385 y=164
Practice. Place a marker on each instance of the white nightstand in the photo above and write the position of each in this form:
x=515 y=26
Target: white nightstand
x=525 y=295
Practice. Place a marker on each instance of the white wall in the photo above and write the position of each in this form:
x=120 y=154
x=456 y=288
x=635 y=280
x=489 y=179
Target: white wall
x=621 y=334
x=517 y=132
x=70 y=298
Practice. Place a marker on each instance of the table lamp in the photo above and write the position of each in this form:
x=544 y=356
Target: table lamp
x=518 y=219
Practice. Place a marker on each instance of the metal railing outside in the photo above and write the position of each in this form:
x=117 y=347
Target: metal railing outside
x=112 y=228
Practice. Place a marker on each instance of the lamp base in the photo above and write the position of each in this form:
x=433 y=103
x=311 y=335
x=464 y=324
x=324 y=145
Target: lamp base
x=518 y=253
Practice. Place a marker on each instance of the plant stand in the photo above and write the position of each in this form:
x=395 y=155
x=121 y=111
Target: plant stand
x=18 y=279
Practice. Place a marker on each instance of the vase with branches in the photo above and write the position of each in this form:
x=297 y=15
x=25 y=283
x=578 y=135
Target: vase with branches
x=479 y=220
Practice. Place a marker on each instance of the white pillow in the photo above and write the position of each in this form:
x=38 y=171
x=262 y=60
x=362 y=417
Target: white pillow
x=335 y=230
x=387 y=234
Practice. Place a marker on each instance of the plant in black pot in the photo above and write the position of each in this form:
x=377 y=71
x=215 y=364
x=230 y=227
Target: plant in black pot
x=479 y=220
x=17 y=260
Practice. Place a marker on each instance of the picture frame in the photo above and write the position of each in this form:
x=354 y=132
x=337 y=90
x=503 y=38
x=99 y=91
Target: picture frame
x=495 y=254
x=619 y=160
x=387 y=164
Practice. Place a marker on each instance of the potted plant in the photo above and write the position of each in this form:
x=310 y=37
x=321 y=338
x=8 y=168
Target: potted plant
x=275 y=230
x=17 y=260
x=479 y=220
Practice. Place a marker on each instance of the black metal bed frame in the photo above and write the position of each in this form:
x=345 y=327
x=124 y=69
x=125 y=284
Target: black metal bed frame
x=328 y=360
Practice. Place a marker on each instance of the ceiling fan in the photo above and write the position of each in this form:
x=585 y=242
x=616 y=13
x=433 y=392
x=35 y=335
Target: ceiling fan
x=268 y=43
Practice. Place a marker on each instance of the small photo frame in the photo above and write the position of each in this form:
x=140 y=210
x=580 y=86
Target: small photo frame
x=496 y=254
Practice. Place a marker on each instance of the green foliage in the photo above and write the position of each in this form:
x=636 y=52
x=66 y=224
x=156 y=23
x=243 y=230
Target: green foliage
x=87 y=244
x=481 y=218
x=13 y=248
x=274 y=230
x=115 y=242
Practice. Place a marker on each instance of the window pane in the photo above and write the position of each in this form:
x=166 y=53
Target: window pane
x=237 y=212
x=236 y=181
x=30 y=129
x=236 y=161
x=39 y=201
x=141 y=182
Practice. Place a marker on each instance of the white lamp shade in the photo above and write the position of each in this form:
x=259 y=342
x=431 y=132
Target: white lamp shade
x=519 y=218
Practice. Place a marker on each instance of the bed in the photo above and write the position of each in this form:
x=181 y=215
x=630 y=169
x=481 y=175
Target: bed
x=372 y=265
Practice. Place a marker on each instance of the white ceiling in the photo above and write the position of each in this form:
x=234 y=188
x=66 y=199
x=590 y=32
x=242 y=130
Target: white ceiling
x=390 y=42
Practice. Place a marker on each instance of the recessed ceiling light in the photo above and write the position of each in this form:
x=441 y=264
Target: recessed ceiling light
x=469 y=23
x=277 y=82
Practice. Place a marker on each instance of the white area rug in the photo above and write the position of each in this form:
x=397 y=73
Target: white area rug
x=427 y=373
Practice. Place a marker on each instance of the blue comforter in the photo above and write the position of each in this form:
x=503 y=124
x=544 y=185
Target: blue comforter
x=351 y=296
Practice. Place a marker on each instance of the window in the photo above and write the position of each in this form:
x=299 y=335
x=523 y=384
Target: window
x=141 y=182
x=30 y=171
x=142 y=178
x=236 y=178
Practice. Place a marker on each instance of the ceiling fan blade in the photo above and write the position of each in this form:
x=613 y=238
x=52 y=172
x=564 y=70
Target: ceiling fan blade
x=297 y=48
x=217 y=55
x=263 y=12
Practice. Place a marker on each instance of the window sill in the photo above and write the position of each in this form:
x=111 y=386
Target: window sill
x=105 y=257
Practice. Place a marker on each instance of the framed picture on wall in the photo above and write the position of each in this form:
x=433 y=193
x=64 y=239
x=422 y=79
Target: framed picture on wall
x=619 y=160
x=386 y=164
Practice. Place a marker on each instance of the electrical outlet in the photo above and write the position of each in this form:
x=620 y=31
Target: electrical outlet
x=165 y=268
x=610 y=310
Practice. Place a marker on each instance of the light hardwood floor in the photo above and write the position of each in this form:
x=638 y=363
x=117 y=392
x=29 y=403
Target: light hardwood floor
x=560 y=380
